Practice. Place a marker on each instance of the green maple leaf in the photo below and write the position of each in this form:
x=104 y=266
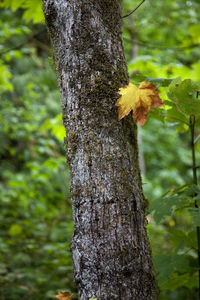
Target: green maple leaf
x=184 y=95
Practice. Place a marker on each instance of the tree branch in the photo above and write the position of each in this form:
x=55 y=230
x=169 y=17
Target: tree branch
x=30 y=39
x=158 y=46
x=134 y=9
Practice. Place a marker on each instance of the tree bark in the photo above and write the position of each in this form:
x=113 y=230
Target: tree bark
x=111 y=252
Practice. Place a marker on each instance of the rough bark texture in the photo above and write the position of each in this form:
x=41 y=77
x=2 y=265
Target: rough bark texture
x=111 y=253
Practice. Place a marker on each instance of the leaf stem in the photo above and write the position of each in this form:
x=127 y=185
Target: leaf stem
x=194 y=169
x=192 y=129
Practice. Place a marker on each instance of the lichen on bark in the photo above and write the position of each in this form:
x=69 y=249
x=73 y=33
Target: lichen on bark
x=111 y=253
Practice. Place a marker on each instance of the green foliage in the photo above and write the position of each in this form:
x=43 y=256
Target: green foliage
x=36 y=221
x=55 y=126
x=175 y=200
x=195 y=213
x=32 y=9
x=165 y=32
x=184 y=96
x=162 y=52
x=5 y=84
x=177 y=267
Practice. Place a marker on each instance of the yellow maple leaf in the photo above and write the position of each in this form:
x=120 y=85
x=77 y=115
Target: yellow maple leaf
x=139 y=100
x=64 y=296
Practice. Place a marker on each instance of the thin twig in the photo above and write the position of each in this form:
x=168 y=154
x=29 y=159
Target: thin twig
x=159 y=46
x=31 y=38
x=134 y=9
x=194 y=169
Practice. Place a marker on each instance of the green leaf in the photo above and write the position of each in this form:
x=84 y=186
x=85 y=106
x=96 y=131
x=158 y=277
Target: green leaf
x=174 y=200
x=164 y=207
x=56 y=127
x=184 y=95
x=174 y=82
x=157 y=114
x=139 y=78
x=33 y=9
x=163 y=266
x=195 y=213
x=181 y=263
x=15 y=230
x=177 y=238
x=169 y=266
x=173 y=115
x=177 y=281
x=5 y=84
x=167 y=206
x=194 y=31
x=14 y=4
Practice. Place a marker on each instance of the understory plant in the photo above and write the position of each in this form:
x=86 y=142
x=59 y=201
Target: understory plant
x=180 y=267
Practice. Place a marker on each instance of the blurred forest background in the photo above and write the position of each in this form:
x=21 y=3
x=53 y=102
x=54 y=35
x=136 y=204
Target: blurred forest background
x=161 y=39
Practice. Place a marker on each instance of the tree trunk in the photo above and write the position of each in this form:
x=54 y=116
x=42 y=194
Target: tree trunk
x=111 y=253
